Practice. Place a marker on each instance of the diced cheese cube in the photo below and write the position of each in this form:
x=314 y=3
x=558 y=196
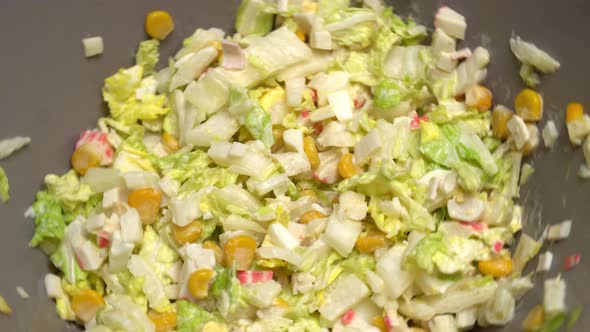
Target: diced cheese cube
x=367 y=147
x=465 y=319
x=281 y=237
x=545 y=261
x=141 y=179
x=112 y=197
x=550 y=134
x=579 y=129
x=519 y=131
x=95 y=223
x=451 y=22
x=293 y=163
x=295 y=87
x=341 y=105
x=93 y=46
x=346 y=292
x=353 y=205
x=131 y=226
x=293 y=139
x=169 y=186
x=53 y=286
x=441 y=42
x=341 y=234
x=560 y=231
x=554 y=296
x=119 y=253
x=321 y=40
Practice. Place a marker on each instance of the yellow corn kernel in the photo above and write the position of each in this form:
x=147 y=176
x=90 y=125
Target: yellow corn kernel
x=159 y=24
x=311 y=194
x=4 y=307
x=529 y=105
x=301 y=35
x=170 y=143
x=147 y=202
x=379 y=322
x=500 y=118
x=86 y=304
x=534 y=320
x=85 y=158
x=496 y=267
x=574 y=112
x=219 y=257
x=479 y=97
x=346 y=166
x=240 y=250
x=214 y=327
x=189 y=233
x=163 y=321
x=281 y=303
x=198 y=283
x=311 y=215
x=311 y=151
x=367 y=244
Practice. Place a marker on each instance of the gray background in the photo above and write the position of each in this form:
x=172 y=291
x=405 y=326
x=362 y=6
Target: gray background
x=50 y=92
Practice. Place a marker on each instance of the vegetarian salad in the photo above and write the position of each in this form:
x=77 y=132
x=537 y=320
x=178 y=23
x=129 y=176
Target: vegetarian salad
x=323 y=169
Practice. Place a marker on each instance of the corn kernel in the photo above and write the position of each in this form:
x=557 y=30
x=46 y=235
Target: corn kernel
x=240 y=250
x=219 y=257
x=84 y=158
x=479 y=97
x=198 y=283
x=529 y=105
x=534 y=320
x=346 y=166
x=159 y=24
x=147 y=202
x=170 y=143
x=189 y=233
x=86 y=304
x=311 y=194
x=308 y=216
x=163 y=321
x=500 y=117
x=367 y=244
x=301 y=35
x=574 y=112
x=496 y=267
x=311 y=151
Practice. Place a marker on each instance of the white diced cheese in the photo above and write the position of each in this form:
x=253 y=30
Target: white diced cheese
x=294 y=88
x=321 y=40
x=519 y=131
x=119 y=253
x=554 y=296
x=441 y=42
x=336 y=134
x=95 y=223
x=346 y=292
x=466 y=319
x=579 y=129
x=341 y=105
x=53 y=286
x=238 y=150
x=550 y=134
x=293 y=163
x=141 y=179
x=586 y=149
x=131 y=226
x=341 y=234
x=560 y=231
x=293 y=139
x=169 y=186
x=111 y=197
x=367 y=147
x=545 y=261
x=451 y=22
x=443 y=323
x=353 y=205
x=281 y=237
x=93 y=46
x=185 y=210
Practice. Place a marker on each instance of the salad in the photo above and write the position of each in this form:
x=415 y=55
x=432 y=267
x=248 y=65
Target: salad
x=323 y=169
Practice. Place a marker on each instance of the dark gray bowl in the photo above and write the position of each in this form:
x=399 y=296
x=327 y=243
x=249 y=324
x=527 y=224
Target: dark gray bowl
x=50 y=92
